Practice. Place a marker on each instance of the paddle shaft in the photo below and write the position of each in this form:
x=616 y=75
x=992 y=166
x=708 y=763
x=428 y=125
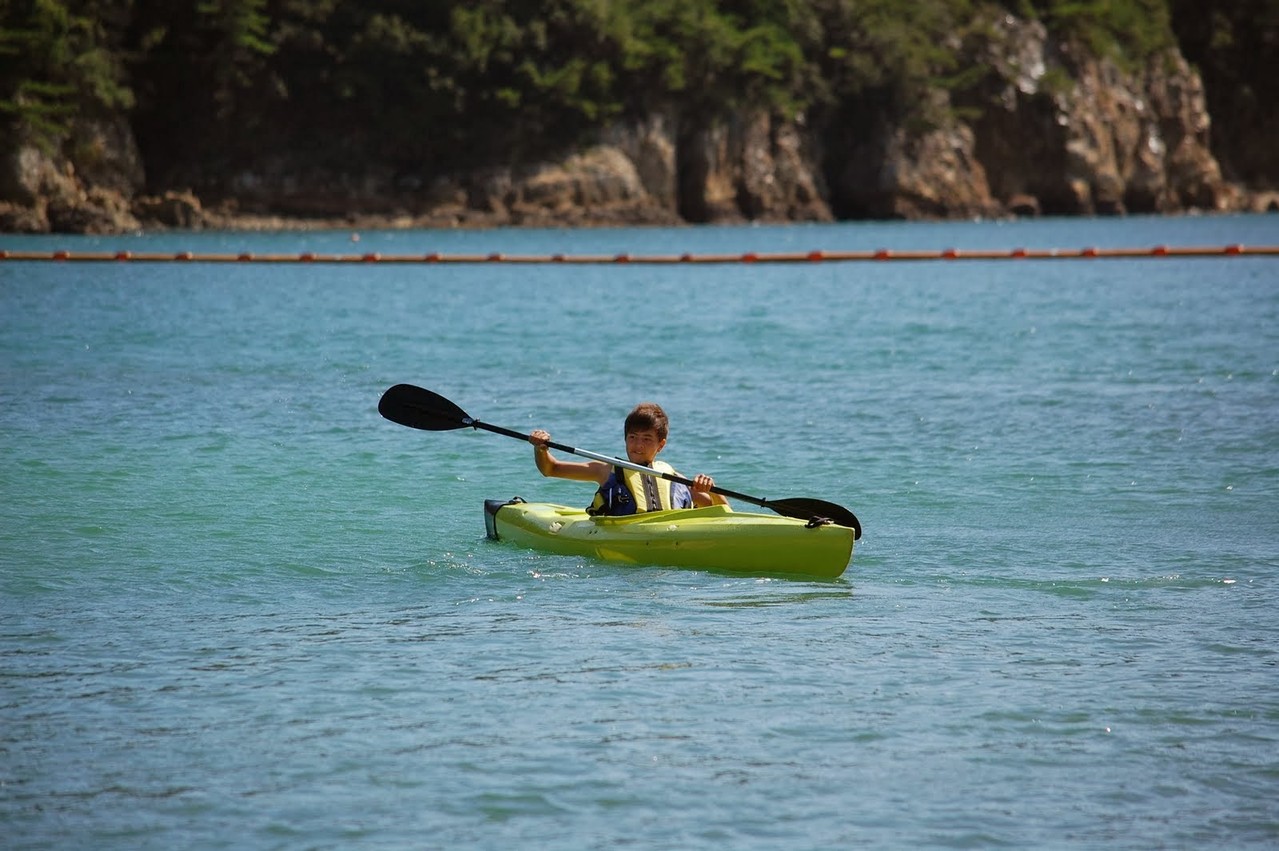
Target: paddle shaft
x=629 y=465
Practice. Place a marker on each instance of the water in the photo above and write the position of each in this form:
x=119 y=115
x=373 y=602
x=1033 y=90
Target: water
x=239 y=609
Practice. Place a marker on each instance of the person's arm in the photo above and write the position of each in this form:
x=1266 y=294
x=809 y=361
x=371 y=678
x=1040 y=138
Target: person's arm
x=702 y=495
x=549 y=465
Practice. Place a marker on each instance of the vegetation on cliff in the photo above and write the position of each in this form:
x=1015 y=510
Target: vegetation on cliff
x=211 y=86
x=1236 y=46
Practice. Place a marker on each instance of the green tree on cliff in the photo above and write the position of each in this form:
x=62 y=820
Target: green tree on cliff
x=60 y=60
x=1235 y=43
x=210 y=86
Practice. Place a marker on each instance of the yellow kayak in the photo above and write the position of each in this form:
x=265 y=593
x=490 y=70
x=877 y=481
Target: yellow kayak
x=714 y=538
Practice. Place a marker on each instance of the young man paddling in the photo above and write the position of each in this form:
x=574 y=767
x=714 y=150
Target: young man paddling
x=622 y=491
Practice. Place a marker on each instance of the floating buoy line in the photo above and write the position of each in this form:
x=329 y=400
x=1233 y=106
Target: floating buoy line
x=818 y=256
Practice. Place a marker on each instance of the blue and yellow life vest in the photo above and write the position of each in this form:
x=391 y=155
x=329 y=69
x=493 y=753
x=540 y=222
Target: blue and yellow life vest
x=630 y=492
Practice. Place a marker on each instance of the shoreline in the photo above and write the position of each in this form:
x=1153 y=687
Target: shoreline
x=183 y=212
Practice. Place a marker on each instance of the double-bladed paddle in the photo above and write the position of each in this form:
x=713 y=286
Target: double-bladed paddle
x=416 y=407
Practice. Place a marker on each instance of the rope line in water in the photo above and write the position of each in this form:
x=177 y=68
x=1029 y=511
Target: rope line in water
x=882 y=254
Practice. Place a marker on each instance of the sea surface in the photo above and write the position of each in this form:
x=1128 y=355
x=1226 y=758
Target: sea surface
x=238 y=609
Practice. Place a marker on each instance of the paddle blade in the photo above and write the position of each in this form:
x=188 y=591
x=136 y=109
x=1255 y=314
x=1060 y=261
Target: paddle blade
x=802 y=508
x=418 y=408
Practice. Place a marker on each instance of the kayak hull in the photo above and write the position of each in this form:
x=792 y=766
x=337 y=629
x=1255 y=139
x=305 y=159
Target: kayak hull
x=713 y=538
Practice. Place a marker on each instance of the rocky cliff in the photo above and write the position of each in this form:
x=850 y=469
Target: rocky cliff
x=1050 y=129
x=1069 y=133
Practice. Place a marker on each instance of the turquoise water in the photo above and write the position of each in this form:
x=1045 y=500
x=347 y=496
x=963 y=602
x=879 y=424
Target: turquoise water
x=239 y=609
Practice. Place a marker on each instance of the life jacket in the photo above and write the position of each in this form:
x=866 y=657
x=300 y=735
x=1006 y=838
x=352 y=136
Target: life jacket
x=630 y=492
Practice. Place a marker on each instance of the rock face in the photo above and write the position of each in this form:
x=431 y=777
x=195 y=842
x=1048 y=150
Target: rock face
x=1080 y=135
x=599 y=185
x=753 y=168
x=1050 y=129
x=895 y=174
x=84 y=188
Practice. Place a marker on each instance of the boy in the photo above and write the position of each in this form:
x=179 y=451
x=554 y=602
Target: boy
x=621 y=491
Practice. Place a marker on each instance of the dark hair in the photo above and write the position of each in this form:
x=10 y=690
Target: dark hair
x=647 y=416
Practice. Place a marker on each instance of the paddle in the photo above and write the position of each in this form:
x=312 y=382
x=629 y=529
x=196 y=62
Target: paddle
x=416 y=407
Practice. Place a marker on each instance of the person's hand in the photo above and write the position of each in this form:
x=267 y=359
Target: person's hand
x=702 y=483
x=540 y=438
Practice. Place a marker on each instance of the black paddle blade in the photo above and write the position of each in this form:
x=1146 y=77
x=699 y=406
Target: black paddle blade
x=802 y=508
x=418 y=408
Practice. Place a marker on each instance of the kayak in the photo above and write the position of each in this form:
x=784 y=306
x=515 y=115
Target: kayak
x=712 y=538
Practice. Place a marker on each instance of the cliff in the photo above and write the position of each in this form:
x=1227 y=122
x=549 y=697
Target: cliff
x=1048 y=129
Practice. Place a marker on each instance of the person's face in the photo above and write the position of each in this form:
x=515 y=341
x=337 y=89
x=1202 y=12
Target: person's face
x=642 y=446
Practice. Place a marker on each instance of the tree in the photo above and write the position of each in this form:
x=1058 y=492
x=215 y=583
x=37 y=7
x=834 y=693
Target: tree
x=59 y=61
